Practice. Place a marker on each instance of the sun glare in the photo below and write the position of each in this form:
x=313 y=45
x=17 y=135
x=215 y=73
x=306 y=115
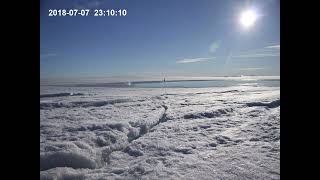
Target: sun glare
x=248 y=18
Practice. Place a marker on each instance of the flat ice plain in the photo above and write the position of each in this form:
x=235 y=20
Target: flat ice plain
x=148 y=133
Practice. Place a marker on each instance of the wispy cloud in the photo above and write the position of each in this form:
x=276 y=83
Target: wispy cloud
x=255 y=54
x=268 y=51
x=259 y=55
x=273 y=47
x=194 y=60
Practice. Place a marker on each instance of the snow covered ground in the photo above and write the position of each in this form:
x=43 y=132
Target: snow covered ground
x=146 y=133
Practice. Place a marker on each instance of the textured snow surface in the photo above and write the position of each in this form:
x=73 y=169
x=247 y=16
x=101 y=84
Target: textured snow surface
x=185 y=133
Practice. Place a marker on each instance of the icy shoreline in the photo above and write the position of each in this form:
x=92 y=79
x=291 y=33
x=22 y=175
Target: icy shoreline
x=128 y=133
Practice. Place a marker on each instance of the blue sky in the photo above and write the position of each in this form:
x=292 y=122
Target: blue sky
x=156 y=37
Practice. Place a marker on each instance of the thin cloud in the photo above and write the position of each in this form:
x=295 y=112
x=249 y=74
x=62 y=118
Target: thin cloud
x=194 y=60
x=260 y=55
x=264 y=50
x=273 y=47
x=268 y=51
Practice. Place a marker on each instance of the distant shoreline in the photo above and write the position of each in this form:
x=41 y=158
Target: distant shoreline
x=132 y=83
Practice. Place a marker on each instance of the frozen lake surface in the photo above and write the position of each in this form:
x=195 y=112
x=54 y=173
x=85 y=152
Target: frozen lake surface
x=224 y=132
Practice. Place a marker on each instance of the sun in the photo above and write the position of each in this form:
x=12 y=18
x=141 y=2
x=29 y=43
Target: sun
x=248 y=18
